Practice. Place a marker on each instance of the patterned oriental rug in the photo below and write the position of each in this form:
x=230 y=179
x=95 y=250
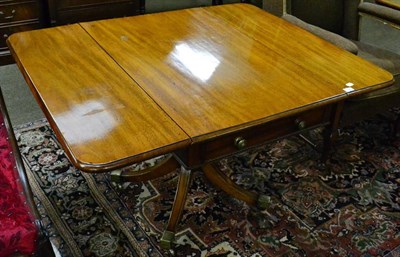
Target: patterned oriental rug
x=349 y=207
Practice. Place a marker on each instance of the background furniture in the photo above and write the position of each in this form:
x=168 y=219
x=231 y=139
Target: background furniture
x=22 y=15
x=338 y=22
x=20 y=226
x=15 y=16
x=71 y=11
x=217 y=2
x=390 y=3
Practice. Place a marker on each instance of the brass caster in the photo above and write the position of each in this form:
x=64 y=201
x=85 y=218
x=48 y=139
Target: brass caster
x=263 y=202
x=116 y=179
x=116 y=176
x=167 y=241
x=117 y=186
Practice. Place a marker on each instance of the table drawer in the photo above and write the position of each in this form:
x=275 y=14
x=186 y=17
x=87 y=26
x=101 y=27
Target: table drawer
x=19 y=12
x=231 y=143
x=68 y=4
x=5 y=32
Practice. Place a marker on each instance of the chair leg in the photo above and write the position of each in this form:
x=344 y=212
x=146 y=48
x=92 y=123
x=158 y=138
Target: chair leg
x=396 y=126
x=44 y=248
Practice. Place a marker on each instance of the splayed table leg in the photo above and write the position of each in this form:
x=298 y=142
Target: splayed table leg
x=220 y=180
x=168 y=236
x=167 y=165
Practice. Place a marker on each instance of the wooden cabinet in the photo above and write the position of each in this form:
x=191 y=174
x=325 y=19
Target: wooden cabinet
x=21 y=15
x=16 y=16
x=71 y=11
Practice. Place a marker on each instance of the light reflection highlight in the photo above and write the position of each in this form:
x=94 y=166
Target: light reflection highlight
x=85 y=122
x=199 y=63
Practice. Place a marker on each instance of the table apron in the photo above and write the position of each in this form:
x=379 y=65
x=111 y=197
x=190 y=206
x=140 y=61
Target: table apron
x=206 y=151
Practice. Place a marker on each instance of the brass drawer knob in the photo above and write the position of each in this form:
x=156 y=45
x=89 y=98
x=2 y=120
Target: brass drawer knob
x=240 y=142
x=8 y=17
x=301 y=124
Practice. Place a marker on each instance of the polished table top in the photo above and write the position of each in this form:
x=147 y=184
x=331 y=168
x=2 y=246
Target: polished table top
x=124 y=90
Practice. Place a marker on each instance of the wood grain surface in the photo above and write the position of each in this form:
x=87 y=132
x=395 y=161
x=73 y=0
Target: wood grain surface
x=101 y=116
x=123 y=90
x=217 y=69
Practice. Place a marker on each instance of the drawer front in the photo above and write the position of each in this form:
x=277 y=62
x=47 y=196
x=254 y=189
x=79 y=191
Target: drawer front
x=19 y=12
x=97 y=13
x=234 y=142
x=67 y=4
x=6 y=58
x=5 y=32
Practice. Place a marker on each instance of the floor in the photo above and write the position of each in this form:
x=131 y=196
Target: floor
x=19 y=100
x=23 y=108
